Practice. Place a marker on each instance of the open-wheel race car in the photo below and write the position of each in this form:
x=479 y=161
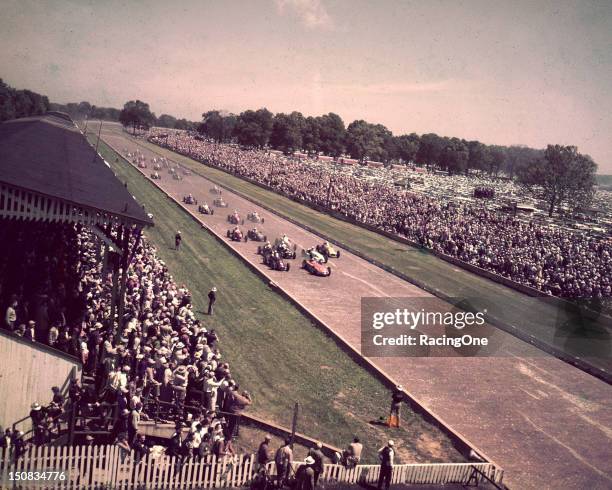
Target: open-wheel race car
x=234 y=218
x=254 y=217
x=236 y=235
x=215 y=190
x=189 y=199
x=157 y=166
x=220 y=203
x=186 y=171
x=328 y=250
x=256 y=235
x=142 y=164
x=176 y=176
x=276 y=262
x=313 y=254
x=205 y=209
x=316 y=268
x=155 y=176
x=171 y=170
x=285 y=247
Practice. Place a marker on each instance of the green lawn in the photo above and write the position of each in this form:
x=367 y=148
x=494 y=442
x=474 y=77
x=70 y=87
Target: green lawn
x=274 y=351
x=564 y=330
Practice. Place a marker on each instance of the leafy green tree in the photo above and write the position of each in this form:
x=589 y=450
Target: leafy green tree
x=430 y=149
x=166 y=121
x=407 y=146
x=367 y=141
x=311 y=135
x=253 y=128
x=136 y=114
x=331 y=134
x=287 y=130
x=454 y=157
x=562 y=177
x=217 y=125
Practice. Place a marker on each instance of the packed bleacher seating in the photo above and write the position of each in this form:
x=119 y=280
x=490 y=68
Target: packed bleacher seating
x=156 y=362
x=554 y=260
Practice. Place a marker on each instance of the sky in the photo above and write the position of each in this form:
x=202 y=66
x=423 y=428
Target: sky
x=520 y=72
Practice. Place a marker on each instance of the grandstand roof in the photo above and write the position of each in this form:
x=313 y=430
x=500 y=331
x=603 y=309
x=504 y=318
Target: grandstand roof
x=48 y=171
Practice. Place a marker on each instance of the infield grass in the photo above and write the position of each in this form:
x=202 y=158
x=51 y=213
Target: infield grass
x=274 y=351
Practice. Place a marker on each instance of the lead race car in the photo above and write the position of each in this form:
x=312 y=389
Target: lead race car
x=215 y=190
x=205 y=209
x=328 y=250
x=316 y=268
x=234 y=218
x=155 y=176
x=220 y=203
x=313 y=254
x=189 y=199
x=236 y=235
x=256 y=235
x=254 y=217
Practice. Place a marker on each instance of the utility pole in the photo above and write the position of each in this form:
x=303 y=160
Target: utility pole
x=296 y=410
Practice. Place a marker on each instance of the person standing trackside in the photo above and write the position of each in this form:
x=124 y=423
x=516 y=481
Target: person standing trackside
x=396 y=407
x=386 y=455
x=318 y=457
x=212 y=297
x=177 y=240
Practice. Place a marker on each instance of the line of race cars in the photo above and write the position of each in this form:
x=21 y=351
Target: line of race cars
x=275 y=255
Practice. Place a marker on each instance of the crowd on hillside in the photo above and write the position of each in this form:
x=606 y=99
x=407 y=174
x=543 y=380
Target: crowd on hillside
x=554 y=260
x=158 y=360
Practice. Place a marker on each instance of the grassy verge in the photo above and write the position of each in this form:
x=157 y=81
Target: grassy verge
x=544 y=320
x=275 y=352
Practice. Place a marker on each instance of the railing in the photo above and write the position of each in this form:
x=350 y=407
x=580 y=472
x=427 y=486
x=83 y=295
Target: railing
x=91 y=467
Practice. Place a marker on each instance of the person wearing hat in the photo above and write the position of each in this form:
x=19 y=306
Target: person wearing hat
x=38 y=416
x=89 y=440
x=177 y=240
x=318 y=457
x=397 y=398
x=264 y=455
x=386 y=455
x=212 y=297
x=305 y=475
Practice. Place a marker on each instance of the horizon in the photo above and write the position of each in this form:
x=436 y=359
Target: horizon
x=522 y=74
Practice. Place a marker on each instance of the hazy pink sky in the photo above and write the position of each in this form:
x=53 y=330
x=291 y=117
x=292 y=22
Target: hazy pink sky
x=532 y=72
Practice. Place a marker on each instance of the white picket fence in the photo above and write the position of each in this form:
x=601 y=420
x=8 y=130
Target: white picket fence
x=101 y=467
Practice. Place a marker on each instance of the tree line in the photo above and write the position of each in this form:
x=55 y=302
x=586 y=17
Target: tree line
x=20 y=103
x=559 y=175
x=363 y=141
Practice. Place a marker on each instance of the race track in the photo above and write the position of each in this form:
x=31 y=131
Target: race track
x=545 y=422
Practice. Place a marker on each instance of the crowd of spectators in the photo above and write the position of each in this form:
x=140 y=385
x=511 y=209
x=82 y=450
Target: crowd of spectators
x=156 y=361
x=554 y=260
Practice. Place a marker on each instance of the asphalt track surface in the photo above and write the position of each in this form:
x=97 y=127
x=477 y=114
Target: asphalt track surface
x=545 y=422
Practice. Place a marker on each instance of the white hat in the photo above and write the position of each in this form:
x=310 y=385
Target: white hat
x=214 y=289
x=390 y=443
x=309 y=460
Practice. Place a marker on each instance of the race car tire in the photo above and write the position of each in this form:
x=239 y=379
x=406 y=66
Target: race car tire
x=265 y=238
x=288 y=267
x=303 y=264
x=328 y=271
x=212 y=211
x=262 y=220
x=228 y=233
x=246 y=238
x=337 y=254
